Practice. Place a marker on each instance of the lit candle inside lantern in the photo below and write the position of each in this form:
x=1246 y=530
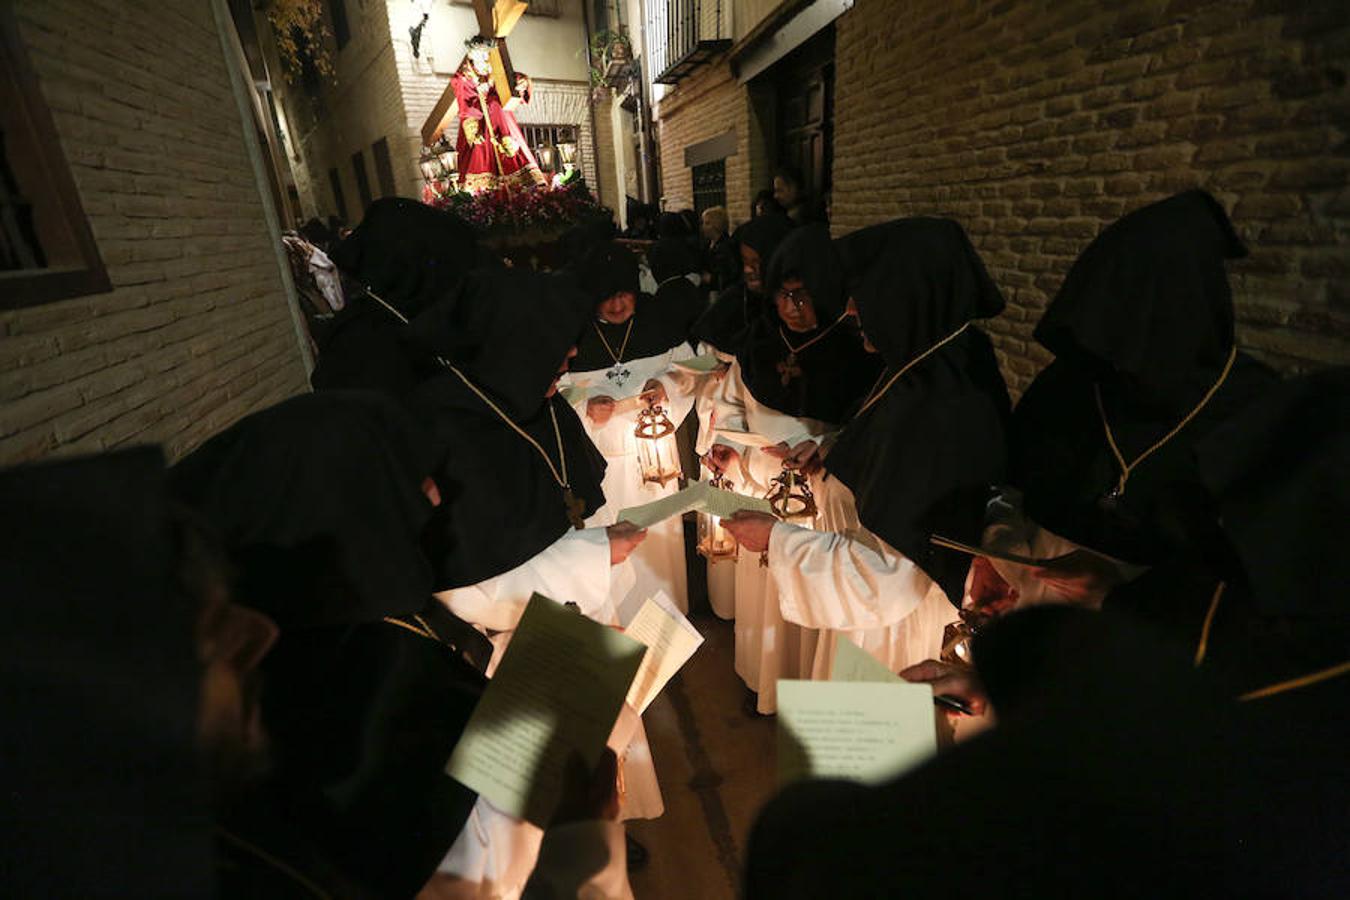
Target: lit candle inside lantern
x=658 y=457
x=715 y=543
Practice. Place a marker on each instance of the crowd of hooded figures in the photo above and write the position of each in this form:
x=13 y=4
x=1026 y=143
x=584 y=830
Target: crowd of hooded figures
x=265 y=653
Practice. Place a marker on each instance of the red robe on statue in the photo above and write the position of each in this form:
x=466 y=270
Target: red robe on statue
x=492 y=152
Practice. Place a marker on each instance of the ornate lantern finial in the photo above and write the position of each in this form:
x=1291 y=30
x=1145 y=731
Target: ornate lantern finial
x=791 y=497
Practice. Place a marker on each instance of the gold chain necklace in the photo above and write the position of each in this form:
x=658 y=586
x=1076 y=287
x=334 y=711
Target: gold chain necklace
x=877 y=395
x=788 y=368
x=424 y=630
x=575 y=505
x=618 y=373
x=617 y=357
x=1126 y=468
x=380 y=300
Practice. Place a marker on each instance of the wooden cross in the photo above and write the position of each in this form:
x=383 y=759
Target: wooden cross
x=576 y=509
x=789 y=369
x=496 y=19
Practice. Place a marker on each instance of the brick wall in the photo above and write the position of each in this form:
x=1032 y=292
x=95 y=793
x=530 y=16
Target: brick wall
x=703 y=106
x=1037 y=123
x=197 y=331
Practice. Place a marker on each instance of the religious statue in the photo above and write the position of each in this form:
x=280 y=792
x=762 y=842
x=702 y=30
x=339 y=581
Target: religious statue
x=491 y=149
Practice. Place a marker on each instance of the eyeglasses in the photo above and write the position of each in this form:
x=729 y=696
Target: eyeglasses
x=798 y=297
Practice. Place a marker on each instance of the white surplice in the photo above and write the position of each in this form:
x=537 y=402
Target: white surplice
x=842 y=578
x=767 y=647
x=495 y=853
x=658 y=563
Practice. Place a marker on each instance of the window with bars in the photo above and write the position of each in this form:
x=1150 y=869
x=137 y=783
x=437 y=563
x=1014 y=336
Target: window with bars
x=552 y=144
x=710 y=185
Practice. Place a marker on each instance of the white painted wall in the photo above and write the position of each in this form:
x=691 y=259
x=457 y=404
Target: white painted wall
x=541 y=46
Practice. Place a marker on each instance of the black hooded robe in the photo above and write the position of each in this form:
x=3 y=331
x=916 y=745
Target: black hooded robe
x=502 y=531
x=410 y=256
x=755 y=407
x=645 y=345
x=917 y=459
x=724 y=325
x=319 y=500
x=1143 y=334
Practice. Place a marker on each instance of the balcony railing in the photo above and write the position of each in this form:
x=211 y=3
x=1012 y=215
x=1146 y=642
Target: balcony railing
x=683 y=35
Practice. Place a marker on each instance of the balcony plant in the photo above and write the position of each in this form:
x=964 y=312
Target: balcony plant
x=611 y=61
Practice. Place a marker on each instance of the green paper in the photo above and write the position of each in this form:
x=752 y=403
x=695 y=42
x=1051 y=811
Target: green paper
x=557 y=691
x=700 y=365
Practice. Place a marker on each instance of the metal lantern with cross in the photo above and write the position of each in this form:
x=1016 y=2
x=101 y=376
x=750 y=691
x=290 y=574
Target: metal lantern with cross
x=658 y=457
x=791 y=498
x=715 y=543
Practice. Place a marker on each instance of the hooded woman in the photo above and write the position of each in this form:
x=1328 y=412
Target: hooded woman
x=797 y=371
x=1146 y=365
x=321 y=504
x=726 y=322
x=917 y=458
x=518 y=477
x=626 y=350
x=720 y=330
x=404 y=256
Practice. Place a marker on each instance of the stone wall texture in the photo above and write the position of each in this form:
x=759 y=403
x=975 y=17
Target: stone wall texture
x=1035 y=124
x=197 y=331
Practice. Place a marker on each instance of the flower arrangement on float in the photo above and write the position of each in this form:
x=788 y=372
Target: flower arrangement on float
x=514 y=210
x=523 y=225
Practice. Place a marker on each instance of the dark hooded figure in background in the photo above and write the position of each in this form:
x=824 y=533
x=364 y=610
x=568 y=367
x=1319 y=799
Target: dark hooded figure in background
x=801 y=356
x=728 y=320
x=403 y=258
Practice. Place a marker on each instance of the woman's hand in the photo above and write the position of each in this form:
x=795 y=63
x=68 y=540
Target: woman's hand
x=956 y=681
x=623 y=540
x=779 y=450
x=654 y=393
x=804 y=456
x=721 y=459
x=600 y=409
x=751 y=529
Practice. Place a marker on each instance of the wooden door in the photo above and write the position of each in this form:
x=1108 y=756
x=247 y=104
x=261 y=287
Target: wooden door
x=805 y=88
